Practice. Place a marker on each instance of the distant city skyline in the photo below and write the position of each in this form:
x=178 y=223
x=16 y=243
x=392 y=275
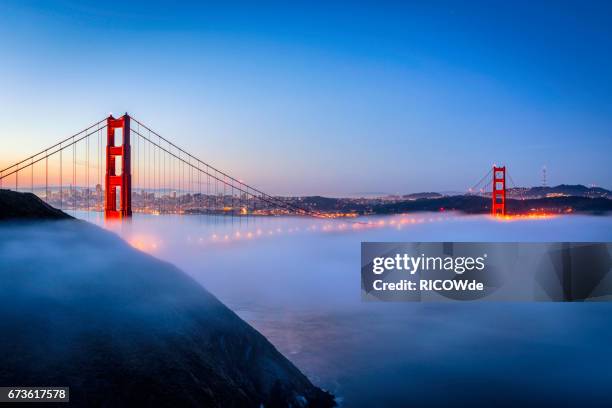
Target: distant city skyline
x=331 y=99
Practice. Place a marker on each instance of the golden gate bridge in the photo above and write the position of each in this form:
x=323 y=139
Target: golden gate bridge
x=120 y=165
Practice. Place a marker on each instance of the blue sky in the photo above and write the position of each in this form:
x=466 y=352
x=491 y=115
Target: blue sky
x=334 y=98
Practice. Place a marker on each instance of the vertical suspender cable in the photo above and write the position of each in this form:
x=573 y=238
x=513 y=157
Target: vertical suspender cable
x=46 y=177
x=61 y=184
x=87 y=174
x=73 y=184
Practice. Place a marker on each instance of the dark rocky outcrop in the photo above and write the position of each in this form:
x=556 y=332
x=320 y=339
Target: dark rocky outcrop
x=15 y=205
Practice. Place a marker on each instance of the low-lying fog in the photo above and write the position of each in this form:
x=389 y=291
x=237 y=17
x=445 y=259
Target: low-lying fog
x=298 y=282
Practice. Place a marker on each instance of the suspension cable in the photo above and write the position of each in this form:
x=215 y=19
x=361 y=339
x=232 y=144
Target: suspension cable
x=481 y=180
x=265 y=197
x=46 y=154
x=270 y=198
x=51 y=147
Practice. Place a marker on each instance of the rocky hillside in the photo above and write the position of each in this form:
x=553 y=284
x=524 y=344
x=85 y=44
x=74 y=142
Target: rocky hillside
x=26 y=206
x=81 y=308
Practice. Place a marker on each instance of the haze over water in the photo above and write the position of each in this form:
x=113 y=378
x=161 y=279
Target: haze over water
x=297 y=280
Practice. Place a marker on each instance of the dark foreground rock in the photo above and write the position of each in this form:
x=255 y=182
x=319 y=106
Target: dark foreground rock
x=80 y=308
x=15 y=205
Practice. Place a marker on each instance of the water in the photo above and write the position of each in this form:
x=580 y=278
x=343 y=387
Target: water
x=297 y=281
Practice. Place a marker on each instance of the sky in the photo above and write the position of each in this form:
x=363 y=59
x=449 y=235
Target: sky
x=331 y=98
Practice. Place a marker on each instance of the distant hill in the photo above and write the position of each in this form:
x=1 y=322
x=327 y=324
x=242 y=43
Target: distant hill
x=575 y=190
x=467 y=204
x=322 y=203
x=416 y=196
x=471 y=204
x=480 y=205
x=598 y=205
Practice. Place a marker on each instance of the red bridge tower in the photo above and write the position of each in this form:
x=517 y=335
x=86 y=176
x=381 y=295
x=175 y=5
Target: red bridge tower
x=123 y=180
x=499 y=191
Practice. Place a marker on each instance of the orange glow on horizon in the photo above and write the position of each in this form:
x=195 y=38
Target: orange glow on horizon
x=529 y=216
x=151 y=243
